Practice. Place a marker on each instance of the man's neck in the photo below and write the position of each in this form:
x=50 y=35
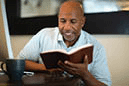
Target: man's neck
x=70 y=43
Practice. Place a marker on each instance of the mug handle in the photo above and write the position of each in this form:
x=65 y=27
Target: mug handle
x=3 y=68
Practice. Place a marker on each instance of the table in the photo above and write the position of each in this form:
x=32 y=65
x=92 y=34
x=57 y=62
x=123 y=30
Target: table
x=40 y=79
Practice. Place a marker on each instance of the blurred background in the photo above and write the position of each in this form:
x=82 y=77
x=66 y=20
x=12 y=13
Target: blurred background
x=33 y=8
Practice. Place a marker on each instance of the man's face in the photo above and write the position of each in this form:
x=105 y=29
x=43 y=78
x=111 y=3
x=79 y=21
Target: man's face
x=70 y=24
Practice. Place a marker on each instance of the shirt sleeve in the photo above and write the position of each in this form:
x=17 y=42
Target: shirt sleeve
x=99 y=67
x=31 y=51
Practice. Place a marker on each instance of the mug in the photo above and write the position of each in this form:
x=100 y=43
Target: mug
x=15 y=68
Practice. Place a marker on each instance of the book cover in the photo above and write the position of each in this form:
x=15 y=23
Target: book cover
x=51 y=58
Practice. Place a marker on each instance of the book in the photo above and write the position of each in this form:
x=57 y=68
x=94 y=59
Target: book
x=51 y=57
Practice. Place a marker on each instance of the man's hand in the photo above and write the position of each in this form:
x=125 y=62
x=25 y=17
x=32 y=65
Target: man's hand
x=78 y=69
x=81 y=70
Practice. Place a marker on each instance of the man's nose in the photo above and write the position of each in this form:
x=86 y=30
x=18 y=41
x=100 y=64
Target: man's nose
x=67 y=26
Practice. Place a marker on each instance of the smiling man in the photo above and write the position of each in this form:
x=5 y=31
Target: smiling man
x=71 y=20
x=69 y=35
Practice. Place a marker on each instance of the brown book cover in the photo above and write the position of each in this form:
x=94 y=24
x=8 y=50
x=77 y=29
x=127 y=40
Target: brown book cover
x=51 y=58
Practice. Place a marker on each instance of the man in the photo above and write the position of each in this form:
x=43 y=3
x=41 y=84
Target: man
x=69 y=35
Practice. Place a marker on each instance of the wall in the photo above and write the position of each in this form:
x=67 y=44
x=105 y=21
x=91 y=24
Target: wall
x=117 y=47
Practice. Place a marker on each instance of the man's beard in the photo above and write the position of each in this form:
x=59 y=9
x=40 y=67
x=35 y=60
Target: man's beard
x=69 y=35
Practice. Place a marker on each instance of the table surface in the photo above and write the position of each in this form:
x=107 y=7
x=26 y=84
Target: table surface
x=42 y=79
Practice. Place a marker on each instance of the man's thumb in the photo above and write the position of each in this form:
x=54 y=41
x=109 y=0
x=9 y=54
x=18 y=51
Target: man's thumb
x=86 y=59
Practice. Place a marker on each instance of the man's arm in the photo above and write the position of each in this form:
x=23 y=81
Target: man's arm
x=89 y=80
x=81 y=70
x=33 y=66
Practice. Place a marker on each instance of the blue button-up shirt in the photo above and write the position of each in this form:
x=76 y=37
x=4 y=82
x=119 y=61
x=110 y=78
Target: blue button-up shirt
x=50 y=39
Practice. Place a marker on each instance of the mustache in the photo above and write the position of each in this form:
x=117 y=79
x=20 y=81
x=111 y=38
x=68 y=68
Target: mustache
x=67 y=31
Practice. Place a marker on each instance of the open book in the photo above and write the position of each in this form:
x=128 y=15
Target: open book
x=51 y=58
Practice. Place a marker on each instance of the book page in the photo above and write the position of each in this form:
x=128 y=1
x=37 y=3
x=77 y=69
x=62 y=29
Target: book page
x=55 y=50
x=78 y=48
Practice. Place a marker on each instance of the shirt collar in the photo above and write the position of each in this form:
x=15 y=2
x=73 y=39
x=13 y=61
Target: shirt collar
x=60 y=37
x=79 y=42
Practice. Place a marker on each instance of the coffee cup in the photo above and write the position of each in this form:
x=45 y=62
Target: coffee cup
x=14 y=68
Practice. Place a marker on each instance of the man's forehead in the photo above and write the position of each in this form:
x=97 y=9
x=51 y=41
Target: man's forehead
x=67 y=12
x=70 y=14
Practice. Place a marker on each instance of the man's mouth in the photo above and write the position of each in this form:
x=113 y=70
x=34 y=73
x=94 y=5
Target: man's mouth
x=68 y=33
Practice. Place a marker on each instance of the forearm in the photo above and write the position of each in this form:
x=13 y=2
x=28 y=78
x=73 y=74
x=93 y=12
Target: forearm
x=89 y=80
x=33 y=66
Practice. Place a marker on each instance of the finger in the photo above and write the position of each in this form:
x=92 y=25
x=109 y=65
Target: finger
x=61 y=64
x=71 y=64
x=86 y=59
x=66 y=67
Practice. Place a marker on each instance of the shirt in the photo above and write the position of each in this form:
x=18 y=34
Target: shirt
x=51 y=38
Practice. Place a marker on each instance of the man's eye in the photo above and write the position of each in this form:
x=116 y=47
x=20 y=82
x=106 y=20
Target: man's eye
x=63 y=21
x=73 y=21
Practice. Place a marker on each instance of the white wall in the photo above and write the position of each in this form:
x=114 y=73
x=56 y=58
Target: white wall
x=117 y=47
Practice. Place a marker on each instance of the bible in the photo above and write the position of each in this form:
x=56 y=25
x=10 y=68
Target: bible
x=50 y=58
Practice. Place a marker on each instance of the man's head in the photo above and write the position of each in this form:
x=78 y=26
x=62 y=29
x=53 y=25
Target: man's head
x=71 y=20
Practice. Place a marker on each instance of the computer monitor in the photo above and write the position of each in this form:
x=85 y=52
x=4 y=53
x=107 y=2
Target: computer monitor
x=5 y=44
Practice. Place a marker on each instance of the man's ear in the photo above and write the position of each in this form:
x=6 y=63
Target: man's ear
x=83 y=21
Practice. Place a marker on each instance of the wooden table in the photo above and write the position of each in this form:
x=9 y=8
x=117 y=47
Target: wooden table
x=40 y=79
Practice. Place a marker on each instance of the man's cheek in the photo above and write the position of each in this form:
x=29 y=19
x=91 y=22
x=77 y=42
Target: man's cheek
x=61 y=27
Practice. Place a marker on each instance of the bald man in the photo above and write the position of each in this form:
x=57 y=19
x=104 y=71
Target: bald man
x=69 y=35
